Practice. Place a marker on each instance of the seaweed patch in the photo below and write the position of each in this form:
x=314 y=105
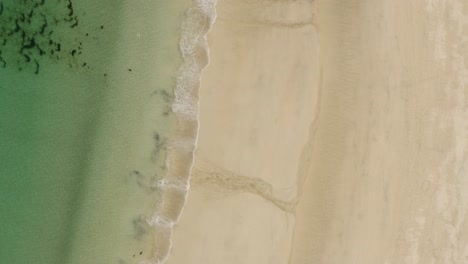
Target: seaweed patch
x=140 y=227
x=28 y=33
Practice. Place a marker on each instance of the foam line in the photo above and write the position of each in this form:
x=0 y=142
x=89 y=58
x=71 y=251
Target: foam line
x=175 y=185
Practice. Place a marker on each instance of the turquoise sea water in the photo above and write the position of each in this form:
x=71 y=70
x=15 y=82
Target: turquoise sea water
x=85 y=94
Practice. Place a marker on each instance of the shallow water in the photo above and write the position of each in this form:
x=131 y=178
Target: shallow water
x=85 y=94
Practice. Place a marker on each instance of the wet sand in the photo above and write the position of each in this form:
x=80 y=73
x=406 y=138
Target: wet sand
x=255 y=120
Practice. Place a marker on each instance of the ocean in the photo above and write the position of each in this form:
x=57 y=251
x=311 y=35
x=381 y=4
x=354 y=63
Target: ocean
x=98 y=125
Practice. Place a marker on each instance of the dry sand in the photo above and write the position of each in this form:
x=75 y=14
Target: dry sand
x=331 y=132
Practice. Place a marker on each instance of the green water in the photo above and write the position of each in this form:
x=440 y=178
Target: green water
x=84 y=114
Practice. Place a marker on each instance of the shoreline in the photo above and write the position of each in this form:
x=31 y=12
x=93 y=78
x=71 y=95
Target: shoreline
x=288 y=132
x=175 y=185
x=244 y=182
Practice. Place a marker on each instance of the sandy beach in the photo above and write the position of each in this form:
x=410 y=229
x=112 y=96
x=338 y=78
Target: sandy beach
x=331 y=132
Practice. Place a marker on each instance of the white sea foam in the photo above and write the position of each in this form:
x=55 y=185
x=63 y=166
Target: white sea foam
x=174 y=182
x=175 y=185
x=160 y=221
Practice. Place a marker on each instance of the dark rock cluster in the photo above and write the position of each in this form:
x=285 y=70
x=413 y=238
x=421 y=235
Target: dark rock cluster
x=27 y=33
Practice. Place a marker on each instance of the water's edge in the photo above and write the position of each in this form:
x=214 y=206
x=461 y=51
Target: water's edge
x=183 y=143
